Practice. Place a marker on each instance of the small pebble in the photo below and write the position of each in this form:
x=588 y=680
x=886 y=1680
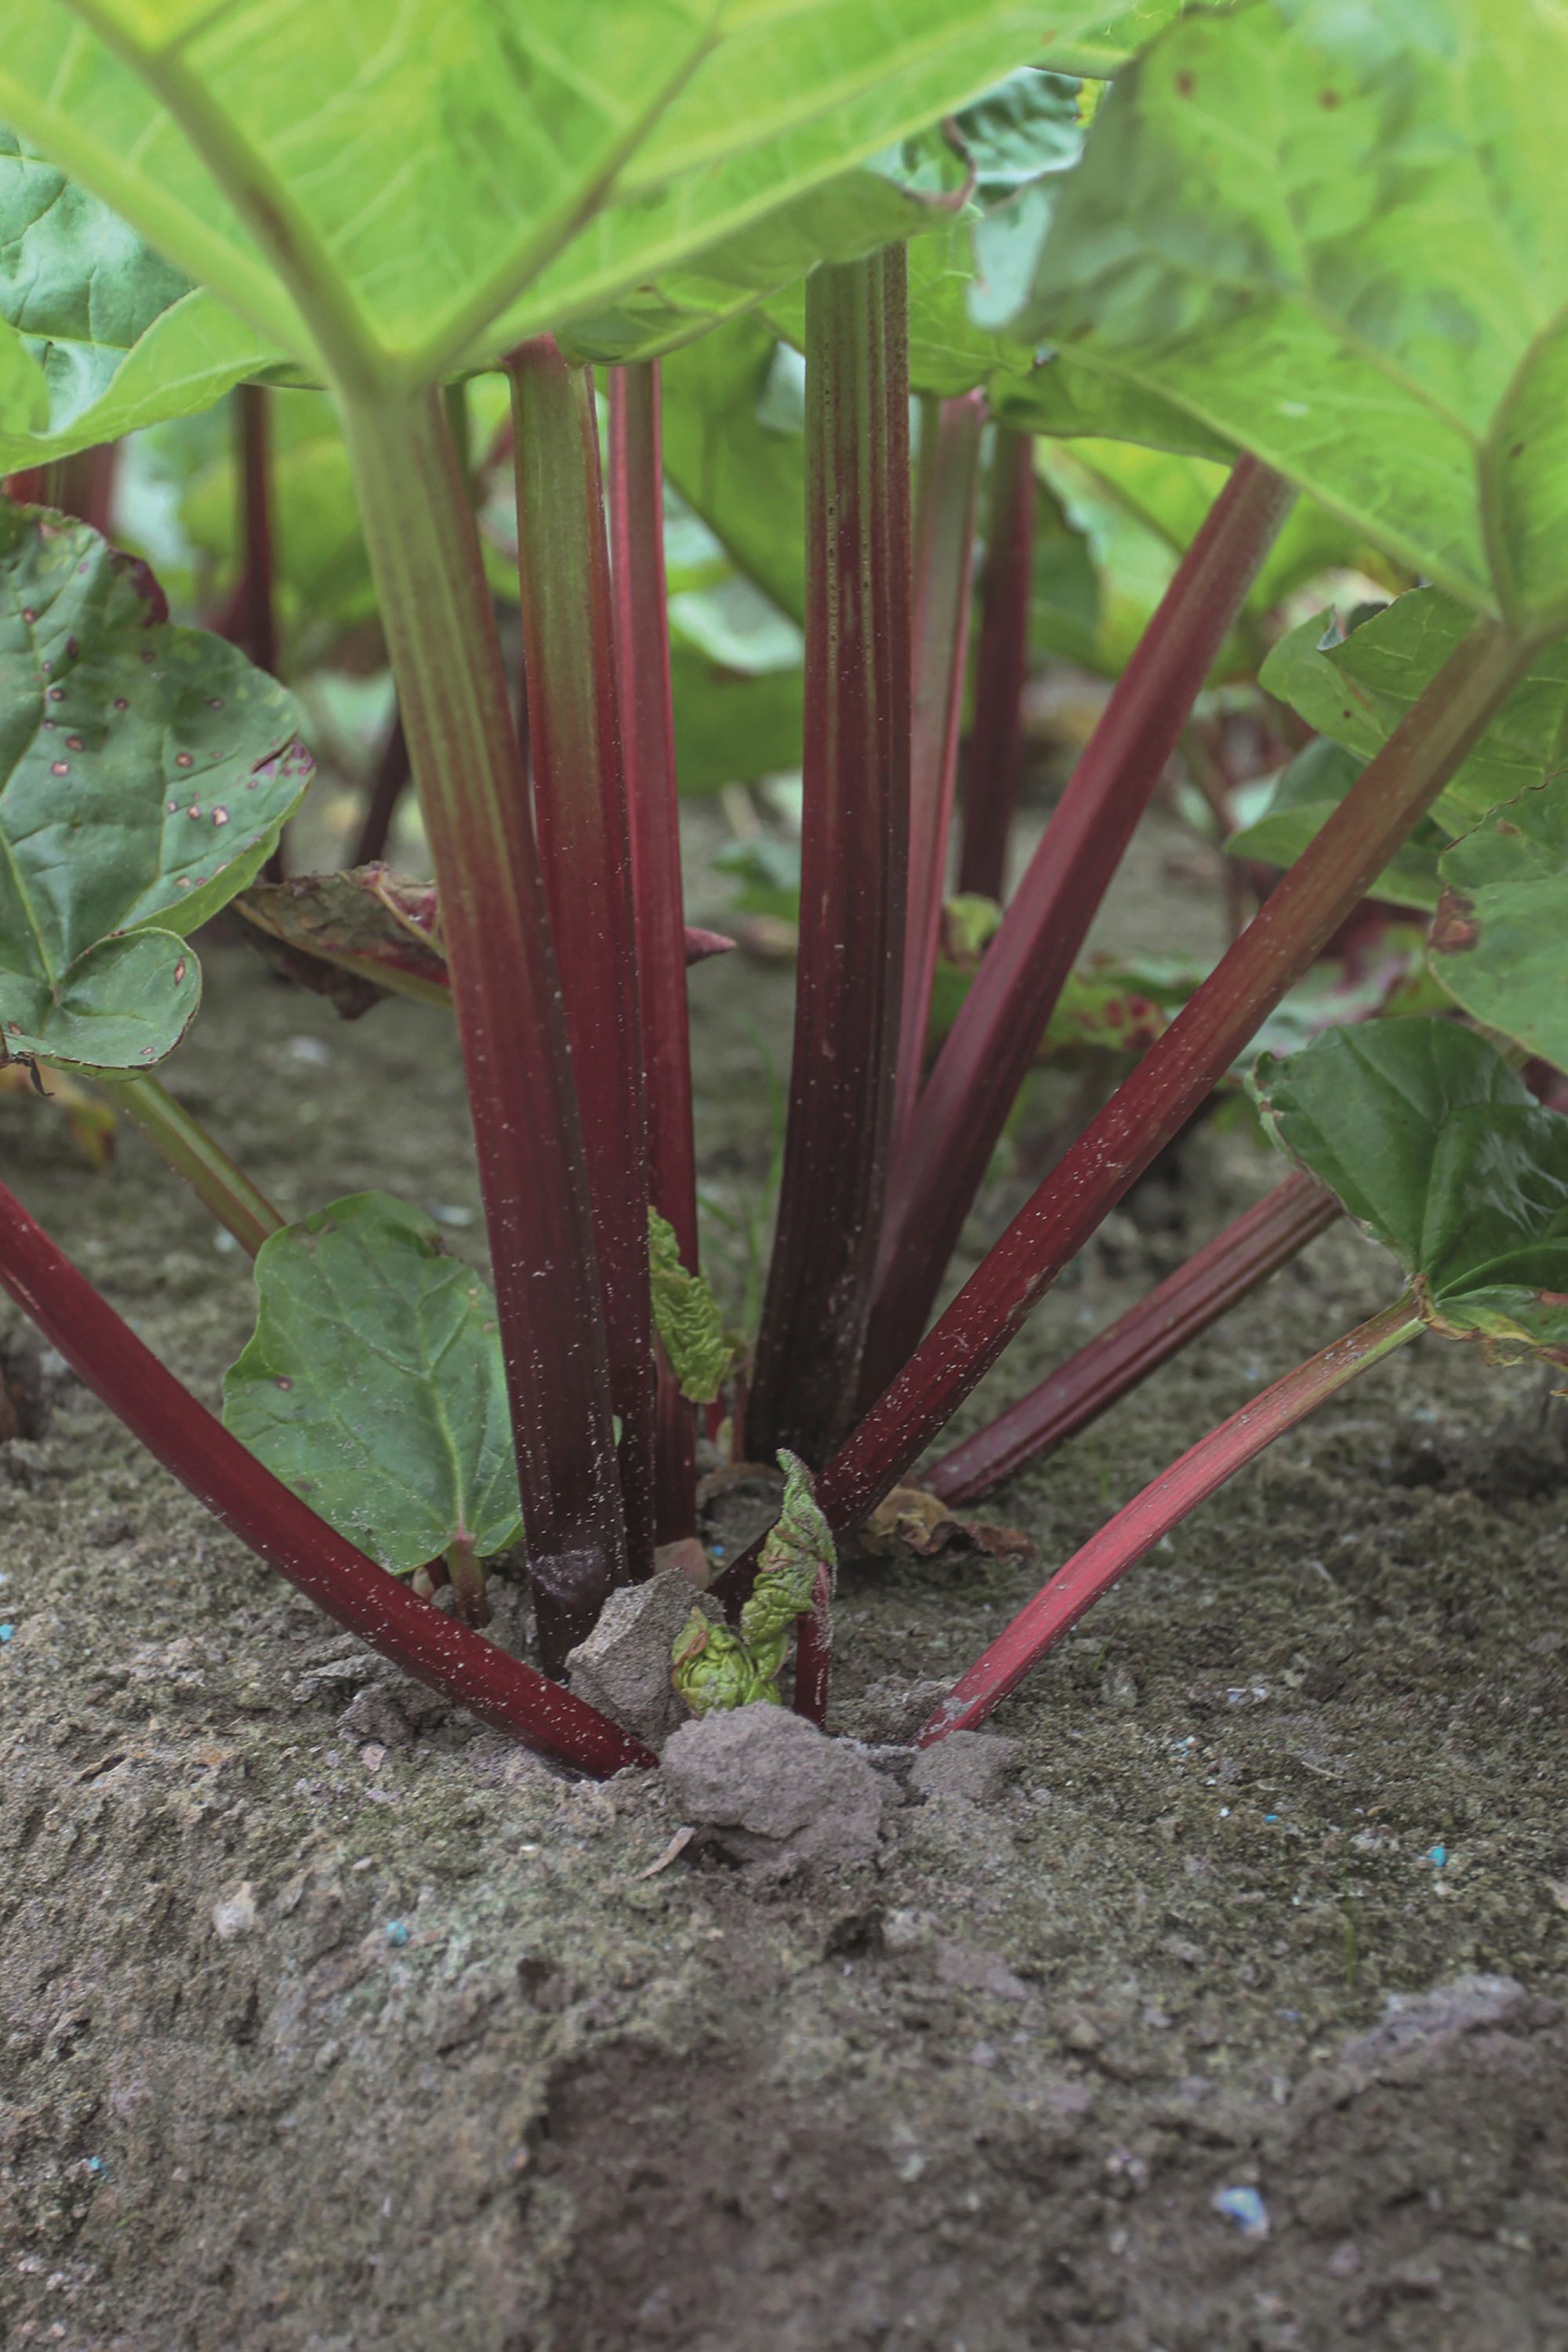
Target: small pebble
x=1245 y=2208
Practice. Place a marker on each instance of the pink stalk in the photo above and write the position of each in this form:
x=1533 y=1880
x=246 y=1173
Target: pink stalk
x=1174 y=1077
x=1139 y=1342
x=579 y=808
x=986 y=1057
x=996 y=740
x=452 y=691
x=647 y=718
x=944 y=561
x=854 y=857
x=814 y=1654
x=275 y=1524
x=1135 y=1529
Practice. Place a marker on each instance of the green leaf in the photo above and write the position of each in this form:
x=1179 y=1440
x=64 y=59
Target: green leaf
x=715 y=1668
x=1429 y=1139
x=1333 y=234
x=1357 y=691
x=688 y=1317
x=146 y=773
x=562 y=151
x=1306 y=796
x=321 y=570
x=745 y=477
x=373 y=1386
x=24 y=395
x=1063 y=397
x=1497 y=944
x=120 y=338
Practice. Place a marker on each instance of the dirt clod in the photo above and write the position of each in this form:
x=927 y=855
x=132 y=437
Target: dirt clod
x=624 y=1666
x=774 y=1789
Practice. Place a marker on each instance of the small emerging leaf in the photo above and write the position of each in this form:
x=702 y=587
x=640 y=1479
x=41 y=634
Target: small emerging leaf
x=374 y=1385
x=1429 y=1139
x=714 y=1671
x=715 y=1667
x=687 y=1315
x=145 y=772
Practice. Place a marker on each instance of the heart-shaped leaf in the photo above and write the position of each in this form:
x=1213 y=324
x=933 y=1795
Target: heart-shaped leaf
x=145 y=772
x=121 y=338
x=1497 y=944
x=513 y=126
x=1333 y=235
x=1357 y=690
x=1430 y=1141
x=374 y=1385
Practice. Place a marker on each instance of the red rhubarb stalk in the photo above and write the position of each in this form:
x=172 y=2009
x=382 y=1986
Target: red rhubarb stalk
x=263 y=1513
x=996 y=739
x=647 y=720
x=254 y=624
x=452 y=691
x=1174 y=1077
x=944 y=558
x=986 y=1059
x=1139 y=1342
x=1123 y=1541
x=854 y=857
x=580 y=807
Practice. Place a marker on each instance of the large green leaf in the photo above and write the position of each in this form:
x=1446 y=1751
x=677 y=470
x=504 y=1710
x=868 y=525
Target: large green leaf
x=1334 y=234
x=24 y=395
x=121 y=338
x=745 y=477
x=1499 y=942
x=1357 y=690
x=321 y=570
x=145 y=771
x=1427 y=1136
x=374 y=1387
x=441 y=175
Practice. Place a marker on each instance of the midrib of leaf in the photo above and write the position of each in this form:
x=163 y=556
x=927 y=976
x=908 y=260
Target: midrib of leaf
x=176 y=232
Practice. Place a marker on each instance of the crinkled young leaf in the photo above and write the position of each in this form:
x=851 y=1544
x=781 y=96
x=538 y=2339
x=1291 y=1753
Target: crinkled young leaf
x=121 y=338
x=1358 y=690
x=374 y=1385
x=1335 y=235
x=1306 y=796
x=145 y=772
x=688 y=1317
x=1427 y=1137
x=715 y=1668
x=1497 y=945
x=424 y=166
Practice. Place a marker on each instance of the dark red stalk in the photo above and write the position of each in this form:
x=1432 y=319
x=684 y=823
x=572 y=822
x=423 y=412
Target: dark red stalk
x=1177 y=1074
x=84 y=485
x=986 y=1059
x=854 y=857
x=386 y=789
x=579 y=808
x=944 y=559
x=105 y=1353
x=254 y=623
x=647 y=719
x=1139 y=1342
x=1135 y=1529
x=452 y=691
x=1002 y=664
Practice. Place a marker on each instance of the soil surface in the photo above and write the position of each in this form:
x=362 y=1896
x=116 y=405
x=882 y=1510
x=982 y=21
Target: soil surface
x=330 y=2023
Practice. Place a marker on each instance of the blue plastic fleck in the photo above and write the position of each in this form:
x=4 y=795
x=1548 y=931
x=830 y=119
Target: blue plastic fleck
x=1271 y=1816
x=6 y=1632
x=1437 y=1856
x=1245 y=2208
x=95 y=2164
x=396 y=1933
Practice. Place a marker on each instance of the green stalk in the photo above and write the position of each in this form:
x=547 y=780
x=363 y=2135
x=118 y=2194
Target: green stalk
x=452 y=694
x=191 y=1152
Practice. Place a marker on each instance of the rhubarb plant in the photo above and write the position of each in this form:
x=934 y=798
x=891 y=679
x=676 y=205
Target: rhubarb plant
x=917 y=362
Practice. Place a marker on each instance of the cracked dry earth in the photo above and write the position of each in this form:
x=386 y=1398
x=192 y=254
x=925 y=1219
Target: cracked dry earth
x=329 y=2023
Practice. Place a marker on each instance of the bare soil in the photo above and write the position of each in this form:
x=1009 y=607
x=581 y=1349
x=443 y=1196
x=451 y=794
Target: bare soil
x=330 y=2024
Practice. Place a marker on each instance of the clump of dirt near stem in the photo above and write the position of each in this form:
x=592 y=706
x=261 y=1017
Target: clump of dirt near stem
x=329 y=2023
